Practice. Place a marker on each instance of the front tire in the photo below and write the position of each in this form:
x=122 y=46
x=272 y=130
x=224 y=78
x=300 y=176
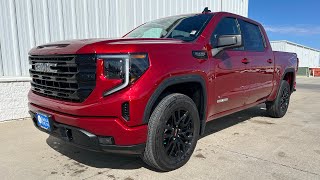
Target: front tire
x=278 y=108
x=173 y=132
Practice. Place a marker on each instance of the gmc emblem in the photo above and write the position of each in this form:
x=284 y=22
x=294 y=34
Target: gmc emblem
x=45 y=67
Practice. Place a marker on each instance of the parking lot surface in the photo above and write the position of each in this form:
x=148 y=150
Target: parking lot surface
x=245 y=145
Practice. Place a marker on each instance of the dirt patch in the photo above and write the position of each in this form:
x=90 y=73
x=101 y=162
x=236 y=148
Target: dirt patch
x=200 y=156
x=261 y=122
x=78 y=172
x=129 y=178
x=111 y=176
x=223 y=158
x=281 y=154
x=78 y=164
x=317 y=151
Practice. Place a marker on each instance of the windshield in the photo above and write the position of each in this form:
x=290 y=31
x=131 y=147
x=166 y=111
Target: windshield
x=184 y=27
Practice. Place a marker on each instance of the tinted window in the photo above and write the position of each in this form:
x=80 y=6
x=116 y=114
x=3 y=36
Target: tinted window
x=227 y=26
x=252 y=36
x=185 y=27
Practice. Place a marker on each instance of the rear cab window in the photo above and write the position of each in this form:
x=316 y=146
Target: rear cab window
x=253 y=39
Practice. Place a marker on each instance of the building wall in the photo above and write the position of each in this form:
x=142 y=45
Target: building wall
x=13 y=99
x=308 y=57
x=28 y=23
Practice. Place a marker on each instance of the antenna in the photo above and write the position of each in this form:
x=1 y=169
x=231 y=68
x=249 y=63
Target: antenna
x=206 y=10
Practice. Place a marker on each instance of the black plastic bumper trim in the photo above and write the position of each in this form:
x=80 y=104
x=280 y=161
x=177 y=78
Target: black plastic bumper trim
x=86 y=140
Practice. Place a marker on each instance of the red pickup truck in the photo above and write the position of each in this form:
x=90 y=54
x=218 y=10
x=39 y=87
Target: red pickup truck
x=152 y=91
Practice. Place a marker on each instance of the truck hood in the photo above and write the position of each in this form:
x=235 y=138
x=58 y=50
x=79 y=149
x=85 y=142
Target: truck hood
x=92 y=46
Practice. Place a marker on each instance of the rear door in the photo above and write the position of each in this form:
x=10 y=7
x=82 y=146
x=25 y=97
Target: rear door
x=260 y=65
x=229 y=70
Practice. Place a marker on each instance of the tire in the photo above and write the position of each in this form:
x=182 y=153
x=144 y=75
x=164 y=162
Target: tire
x=278 y=108
x=173 y=132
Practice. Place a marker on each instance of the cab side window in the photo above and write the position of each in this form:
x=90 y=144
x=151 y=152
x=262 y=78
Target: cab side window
x=252 y=36
x=227 y=26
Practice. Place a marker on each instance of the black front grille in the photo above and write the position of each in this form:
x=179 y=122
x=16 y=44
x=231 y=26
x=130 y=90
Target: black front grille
x=69 y=78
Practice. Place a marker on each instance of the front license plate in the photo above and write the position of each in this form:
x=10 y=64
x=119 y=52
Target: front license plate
x=43 y=121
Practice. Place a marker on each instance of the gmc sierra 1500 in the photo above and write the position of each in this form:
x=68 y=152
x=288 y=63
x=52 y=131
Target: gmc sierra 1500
x=152 y=91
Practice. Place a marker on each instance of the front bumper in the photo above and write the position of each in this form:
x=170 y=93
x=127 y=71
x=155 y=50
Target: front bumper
x=85 y=132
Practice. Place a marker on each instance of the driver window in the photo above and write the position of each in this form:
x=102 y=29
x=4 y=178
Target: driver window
x=227 y=26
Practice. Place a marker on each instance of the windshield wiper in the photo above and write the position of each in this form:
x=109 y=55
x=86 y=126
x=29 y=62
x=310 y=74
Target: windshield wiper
x=171 y=28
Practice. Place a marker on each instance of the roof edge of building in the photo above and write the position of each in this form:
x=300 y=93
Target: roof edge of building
x=296 y=44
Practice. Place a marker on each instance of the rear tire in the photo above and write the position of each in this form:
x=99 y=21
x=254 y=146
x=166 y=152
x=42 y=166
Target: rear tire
x=278 y=108
x=173 y=132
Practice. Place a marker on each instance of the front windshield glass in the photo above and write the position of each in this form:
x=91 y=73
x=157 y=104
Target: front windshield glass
x=184 y=27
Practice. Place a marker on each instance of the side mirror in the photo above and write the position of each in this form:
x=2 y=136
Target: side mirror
x=226 y=42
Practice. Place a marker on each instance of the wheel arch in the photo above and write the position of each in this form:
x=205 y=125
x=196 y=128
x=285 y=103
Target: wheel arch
x=176 y=81
x=289 y=75
x=281 y=77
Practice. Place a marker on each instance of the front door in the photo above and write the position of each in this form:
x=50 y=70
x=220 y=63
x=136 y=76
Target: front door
x=229 y=70
x=230 y=80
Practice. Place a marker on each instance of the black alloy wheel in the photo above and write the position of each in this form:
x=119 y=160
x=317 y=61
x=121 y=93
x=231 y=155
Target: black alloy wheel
x=178 y=133
x=173 y=132
x=278 y=108
x=284 y=102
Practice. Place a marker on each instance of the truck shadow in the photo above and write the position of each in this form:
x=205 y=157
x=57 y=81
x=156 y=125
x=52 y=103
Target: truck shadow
x=93 y=159
x=233 y=119
x=77 y=155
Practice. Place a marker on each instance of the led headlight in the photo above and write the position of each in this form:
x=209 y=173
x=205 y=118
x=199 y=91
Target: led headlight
x=125 y=67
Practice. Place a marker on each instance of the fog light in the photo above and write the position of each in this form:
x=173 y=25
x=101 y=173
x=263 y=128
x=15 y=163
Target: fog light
x=106 y=140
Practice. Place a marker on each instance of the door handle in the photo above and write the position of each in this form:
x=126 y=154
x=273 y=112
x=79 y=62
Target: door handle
x=269 y=61
x=245 y=61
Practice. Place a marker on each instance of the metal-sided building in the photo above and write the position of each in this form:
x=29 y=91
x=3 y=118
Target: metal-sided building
x=308 y=57
x=28 y=23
